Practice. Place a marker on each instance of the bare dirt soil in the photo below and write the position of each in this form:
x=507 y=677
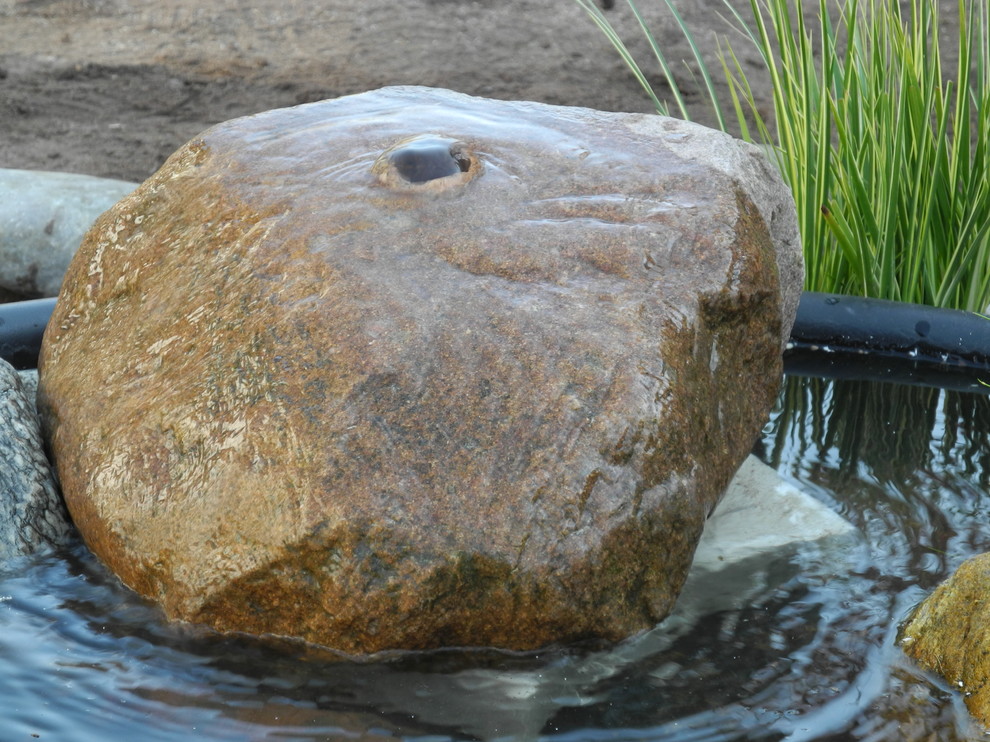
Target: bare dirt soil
x=112 y=87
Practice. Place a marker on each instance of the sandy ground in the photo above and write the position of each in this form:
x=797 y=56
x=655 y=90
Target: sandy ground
x=112 y=87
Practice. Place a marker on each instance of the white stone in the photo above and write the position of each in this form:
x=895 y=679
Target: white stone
x=43 y=217
x=760 y=520
x=759 y=514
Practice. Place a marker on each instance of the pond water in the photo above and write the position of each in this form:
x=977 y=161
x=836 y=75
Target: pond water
x=805 y=651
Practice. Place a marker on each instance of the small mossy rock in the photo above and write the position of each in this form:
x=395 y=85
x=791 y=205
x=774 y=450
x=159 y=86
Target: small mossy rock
x=412 y=369
x=949 y=634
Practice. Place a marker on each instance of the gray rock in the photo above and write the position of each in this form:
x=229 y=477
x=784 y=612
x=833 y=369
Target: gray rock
x=43 y=217
x=29 y=381
x=32 y=515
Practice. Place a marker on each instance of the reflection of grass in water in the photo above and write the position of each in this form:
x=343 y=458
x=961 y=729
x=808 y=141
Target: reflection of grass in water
x=889 y=164
x=843 y=424
x=908 y=466
x=891 y=429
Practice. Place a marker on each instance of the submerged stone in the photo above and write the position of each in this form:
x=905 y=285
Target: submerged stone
x=412 y=369
x=949 y=634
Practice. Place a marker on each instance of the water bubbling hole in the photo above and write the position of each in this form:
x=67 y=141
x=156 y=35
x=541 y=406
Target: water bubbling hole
x=428 y=159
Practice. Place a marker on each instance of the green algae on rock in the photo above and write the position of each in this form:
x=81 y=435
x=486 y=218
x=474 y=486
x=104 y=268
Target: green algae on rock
x=949 y=633
x=412 y=369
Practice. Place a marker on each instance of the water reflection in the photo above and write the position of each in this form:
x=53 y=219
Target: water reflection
x=803 y=649
x=908 y=465
x=892 y=429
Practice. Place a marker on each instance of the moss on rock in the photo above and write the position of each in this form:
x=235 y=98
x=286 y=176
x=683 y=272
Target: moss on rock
x=949 y=633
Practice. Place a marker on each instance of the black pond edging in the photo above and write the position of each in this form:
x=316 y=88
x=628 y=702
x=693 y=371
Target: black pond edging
x=22 y=323
x=849 y=337
x=834 y=336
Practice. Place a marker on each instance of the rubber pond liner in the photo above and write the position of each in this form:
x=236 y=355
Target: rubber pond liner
x=850 y=337
x=22 y=325
x=807 y=651
x=834 y=336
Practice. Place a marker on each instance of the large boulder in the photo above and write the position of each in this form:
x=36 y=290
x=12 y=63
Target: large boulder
x=43 y=217
x=411 y=369
x=32 y=515
x=949 y=633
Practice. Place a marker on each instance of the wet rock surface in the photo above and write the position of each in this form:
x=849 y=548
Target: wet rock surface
x=412 y=369
x=32 y=515
x=949 y=634
x=43 y=217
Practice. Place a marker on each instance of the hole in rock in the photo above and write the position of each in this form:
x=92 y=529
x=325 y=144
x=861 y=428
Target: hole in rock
x=428 y=159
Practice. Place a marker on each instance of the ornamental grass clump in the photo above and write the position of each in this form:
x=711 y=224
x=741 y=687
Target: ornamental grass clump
x=886 y=155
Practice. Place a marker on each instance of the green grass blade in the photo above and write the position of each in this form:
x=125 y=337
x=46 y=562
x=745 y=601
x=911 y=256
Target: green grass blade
x=702 y=66
x=889 y=164
x=610 y=33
